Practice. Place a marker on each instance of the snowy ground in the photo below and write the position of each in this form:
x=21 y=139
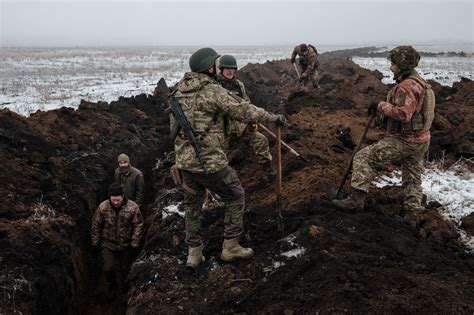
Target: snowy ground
x=47 y=78
x=453 y=188
x=445 y=70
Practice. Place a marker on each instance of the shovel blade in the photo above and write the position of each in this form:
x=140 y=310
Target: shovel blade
x=335 y=195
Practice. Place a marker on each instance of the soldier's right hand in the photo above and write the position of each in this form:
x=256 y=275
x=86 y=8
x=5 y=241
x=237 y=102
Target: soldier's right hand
x=281 y=121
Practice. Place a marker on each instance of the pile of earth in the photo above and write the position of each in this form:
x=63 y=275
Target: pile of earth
x=57 y=166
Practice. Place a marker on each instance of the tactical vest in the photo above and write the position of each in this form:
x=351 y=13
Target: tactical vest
x=420 y=121
x=304 y=62
x=233 y=86
x=201 y=121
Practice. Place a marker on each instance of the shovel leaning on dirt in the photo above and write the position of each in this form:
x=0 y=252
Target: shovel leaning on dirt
x=293 y=151
x=339 y=193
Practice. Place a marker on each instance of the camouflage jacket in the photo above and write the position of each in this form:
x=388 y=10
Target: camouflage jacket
x=132 y=182
x=205 y=102
x=308 y=61
x=117 y=229
x=403 y=101
x=233 y=127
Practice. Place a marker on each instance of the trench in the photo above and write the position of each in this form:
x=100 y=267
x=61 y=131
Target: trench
x=95 y=301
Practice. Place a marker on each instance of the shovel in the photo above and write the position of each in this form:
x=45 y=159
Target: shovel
x=281 y=226
x=292 y=151
x=296 y=69
x=338 y=193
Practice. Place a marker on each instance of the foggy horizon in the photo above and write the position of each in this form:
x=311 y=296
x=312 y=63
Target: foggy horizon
x=114 y=23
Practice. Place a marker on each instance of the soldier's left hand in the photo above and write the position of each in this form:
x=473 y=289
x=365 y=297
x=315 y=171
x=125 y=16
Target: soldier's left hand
x=372 y=108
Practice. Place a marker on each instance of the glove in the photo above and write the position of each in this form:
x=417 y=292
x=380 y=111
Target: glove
x=301 y=79
x=281 y=121
x=293 y=60
x=372 y=108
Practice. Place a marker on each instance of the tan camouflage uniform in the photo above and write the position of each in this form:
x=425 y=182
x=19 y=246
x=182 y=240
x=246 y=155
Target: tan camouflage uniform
x=132 y=182
x=309 y=66
x=205 y=103
x=242 y=133
x=404 y=141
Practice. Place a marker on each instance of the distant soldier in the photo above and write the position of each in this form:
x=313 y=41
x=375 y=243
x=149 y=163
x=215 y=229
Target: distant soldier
x=205 y=103
x=130 y=178
x=308 y=60
x=236 y=131
x=408 y=116
x=117 y=228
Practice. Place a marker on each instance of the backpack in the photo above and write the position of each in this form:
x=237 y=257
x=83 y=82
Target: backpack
x=314 y=48
x=427 y=111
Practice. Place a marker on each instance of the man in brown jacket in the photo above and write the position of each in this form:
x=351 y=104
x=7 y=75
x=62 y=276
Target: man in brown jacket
x=117 y=228
x=309 y=65
x=130 y=178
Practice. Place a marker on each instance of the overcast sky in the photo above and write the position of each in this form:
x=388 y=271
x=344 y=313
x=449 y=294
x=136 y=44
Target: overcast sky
x=237 y=22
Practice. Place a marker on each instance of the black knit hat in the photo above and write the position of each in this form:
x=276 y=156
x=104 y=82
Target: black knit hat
x=115 y=190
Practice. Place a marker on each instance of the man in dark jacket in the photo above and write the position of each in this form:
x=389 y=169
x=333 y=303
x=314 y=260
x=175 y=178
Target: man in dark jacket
x=117 y=228
x=131 y=179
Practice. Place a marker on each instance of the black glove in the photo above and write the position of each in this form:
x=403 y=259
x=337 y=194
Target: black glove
x=372 y=108
x=281 y=121
x=301 y=79
x=293 y=60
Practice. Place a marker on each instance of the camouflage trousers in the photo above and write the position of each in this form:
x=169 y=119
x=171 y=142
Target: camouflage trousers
x=227 y=185
x=311 y=81
x=257 y=141
x=389 y=149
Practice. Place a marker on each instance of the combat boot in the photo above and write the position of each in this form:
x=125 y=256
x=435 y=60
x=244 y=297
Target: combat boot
x=231 y=250
x=354 y=202
x=195 y=256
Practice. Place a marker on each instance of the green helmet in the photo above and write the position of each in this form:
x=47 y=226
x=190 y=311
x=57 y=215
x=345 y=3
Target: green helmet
x=405 y=57
x=228 y=61
x=203 y=59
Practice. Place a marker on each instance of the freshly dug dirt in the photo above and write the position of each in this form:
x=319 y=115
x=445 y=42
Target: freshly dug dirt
x=57 y=166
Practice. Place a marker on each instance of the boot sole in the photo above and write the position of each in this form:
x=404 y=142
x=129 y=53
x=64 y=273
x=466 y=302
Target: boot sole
x=232 y=258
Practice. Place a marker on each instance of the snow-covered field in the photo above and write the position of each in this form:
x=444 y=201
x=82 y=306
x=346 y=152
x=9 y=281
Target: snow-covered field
x=445 y=70
x=453 y=188
x=47 y=78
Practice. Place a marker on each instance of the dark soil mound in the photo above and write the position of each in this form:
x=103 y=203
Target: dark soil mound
x=58 y=165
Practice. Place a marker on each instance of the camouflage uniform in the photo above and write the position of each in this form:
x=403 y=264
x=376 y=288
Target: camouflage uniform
x=132 y=182
x=404 y=141
x=309 y=66
x=118 y=232
x=240 y=132
x=205 y=103
x=117 y=229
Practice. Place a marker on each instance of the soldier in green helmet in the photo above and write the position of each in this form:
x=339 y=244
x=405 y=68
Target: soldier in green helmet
x=408 y=112
x=239 y=133
x=204 y=103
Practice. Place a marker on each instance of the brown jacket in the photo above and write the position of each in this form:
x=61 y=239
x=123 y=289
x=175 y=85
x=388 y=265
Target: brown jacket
x=117 y=229
x=308 y=61
x=132 y=182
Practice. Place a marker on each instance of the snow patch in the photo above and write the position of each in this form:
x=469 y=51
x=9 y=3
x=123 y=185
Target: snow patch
x=172 y=209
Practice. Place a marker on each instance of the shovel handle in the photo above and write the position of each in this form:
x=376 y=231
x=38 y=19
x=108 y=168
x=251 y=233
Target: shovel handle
x=346 y=173
x=278 y=170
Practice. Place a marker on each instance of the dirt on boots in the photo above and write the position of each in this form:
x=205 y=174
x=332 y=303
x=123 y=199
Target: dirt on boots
x=195 y=256
x=354 y=202
x=231 y=250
